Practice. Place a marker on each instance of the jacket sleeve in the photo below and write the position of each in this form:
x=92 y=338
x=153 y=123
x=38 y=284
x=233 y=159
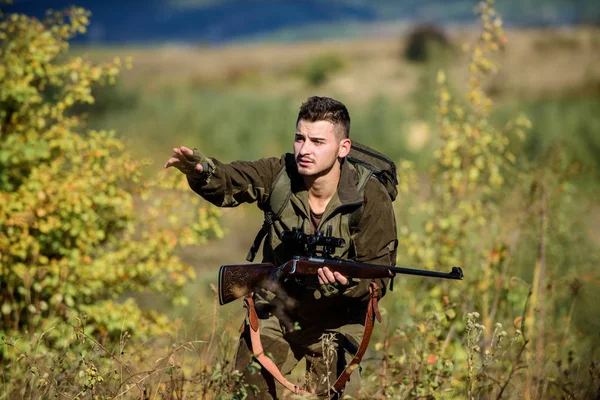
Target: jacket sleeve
x=229 y=185
x=376 y=239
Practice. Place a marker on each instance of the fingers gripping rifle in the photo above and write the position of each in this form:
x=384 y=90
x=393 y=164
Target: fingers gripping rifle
x=237 y=280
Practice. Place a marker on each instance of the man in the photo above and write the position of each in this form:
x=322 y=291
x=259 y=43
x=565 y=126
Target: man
x=323 y=190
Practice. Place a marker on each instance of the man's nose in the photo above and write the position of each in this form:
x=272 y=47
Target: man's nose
x=306 y=148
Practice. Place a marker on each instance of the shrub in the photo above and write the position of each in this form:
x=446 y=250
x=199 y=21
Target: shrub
x=320 y=68
x=424 y=42
x=79 y=226
x=509 y=225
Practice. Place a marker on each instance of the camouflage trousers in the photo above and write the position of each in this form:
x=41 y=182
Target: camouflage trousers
x=327 y=352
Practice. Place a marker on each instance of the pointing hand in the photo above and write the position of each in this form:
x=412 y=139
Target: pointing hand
x=185 y=161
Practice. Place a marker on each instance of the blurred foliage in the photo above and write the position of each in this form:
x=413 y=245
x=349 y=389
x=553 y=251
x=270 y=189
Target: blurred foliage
x=425 y=42
x=553 y=40
x=236 y=124
x=505 y=221
x=79 y=228
x=571 y=123
x=239 y=125
x=319 y=69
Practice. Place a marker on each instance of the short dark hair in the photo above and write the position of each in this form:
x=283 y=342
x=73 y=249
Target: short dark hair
x=326 y=109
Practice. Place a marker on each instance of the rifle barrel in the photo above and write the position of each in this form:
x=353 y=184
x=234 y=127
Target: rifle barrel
x=456 y=272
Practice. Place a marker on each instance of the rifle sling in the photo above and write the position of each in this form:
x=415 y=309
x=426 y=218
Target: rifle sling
x=340 y=383
x=258 y=351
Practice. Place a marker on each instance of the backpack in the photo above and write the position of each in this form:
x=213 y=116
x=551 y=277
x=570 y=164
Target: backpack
x=368 y=162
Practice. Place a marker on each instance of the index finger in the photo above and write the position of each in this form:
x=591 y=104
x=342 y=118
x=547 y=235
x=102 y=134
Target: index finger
x=171 y=161
x=187 y=151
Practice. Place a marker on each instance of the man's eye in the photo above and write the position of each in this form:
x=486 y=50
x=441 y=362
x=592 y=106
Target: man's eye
x=299 y=138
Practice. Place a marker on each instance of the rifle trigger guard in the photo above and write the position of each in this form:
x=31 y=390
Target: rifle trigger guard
x=294 y=262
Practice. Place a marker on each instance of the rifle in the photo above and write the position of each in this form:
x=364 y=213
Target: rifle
x=237 y=280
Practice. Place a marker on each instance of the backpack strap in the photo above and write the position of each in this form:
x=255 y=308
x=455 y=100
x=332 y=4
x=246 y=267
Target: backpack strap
x=279 y=197
x=364 y=174
x=355 y=216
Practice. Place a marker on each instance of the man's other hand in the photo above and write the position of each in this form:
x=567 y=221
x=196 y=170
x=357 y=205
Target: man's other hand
x=326 y=277
x=184 y=160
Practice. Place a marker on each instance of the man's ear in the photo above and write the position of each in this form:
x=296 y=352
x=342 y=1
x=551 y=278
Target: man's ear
x=344 y=148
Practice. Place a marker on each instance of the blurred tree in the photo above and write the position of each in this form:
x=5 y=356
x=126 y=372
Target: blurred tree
x=425 y=42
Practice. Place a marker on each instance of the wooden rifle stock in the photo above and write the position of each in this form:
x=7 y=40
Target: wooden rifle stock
x=237 y=280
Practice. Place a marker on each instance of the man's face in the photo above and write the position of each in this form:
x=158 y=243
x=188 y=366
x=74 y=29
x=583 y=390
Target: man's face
x=317 y=147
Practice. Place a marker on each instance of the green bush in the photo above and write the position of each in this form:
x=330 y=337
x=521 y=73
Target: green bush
x=514 y=227
x=319 y=69
x=79 y=228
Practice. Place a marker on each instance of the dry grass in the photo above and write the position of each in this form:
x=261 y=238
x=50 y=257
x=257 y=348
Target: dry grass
x=536 y=62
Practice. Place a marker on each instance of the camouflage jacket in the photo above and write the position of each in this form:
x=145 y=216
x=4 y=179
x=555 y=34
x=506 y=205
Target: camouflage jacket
x=374 y=239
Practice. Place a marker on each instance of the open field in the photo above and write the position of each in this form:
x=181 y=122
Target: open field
x=195 y=95
x=535 y=63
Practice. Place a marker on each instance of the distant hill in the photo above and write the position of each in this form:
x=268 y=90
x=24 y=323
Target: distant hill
x=222 y=21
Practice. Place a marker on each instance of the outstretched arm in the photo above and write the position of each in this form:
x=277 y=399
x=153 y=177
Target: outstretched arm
x=227 y=185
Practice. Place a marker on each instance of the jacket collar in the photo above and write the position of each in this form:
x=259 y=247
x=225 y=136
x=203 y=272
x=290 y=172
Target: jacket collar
x=347 y=188
x=347 y=192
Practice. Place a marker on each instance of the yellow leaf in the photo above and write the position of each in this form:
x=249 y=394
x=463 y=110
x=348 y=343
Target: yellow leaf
x=441 y=77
